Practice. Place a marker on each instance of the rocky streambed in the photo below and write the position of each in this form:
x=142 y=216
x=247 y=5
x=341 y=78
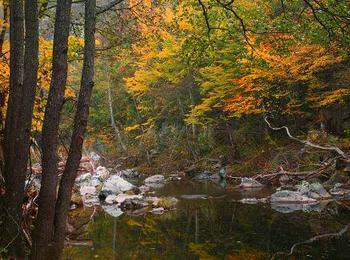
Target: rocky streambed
x=129 y=191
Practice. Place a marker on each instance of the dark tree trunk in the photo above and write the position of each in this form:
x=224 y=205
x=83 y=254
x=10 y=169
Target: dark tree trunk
x=43 y=232
x=3 y=29
x=80 y=123
x=16 y=80
x=14 y=193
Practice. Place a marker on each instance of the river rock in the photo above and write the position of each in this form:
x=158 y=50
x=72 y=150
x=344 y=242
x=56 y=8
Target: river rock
x=144 y=189
x=133 y=204
x=158 y=210
x=110 y=199
x=88 y=190
x=155 y=179
x=341 y=190
x=86 y=177
x=129 y=174
x=286 y=196
x=116 y=185
x=313 y=190
x=120 y=198
x=250 y=183
x=112 y=210
x=102 y=173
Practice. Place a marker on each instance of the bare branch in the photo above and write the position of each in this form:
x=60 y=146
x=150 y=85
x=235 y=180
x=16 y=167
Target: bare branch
x=306 y=142
x=108 y=6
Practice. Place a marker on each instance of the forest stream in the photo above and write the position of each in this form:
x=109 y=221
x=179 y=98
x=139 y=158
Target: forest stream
x=213 y=220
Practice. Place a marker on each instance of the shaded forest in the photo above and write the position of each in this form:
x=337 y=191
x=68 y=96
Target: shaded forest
x=261 y=87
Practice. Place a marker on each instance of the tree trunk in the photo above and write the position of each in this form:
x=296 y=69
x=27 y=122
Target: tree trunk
x=14 y=194
x=43 y=232
x=3 y=29
x=114 y=125
x=80 y=124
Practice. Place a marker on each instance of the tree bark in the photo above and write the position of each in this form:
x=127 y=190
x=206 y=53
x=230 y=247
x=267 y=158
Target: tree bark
x=80 y=124
x=3 y=29
x=43 y=232
x=13 y=198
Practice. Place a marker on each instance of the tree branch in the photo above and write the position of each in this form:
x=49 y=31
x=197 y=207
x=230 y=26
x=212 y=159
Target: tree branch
x=306 y=142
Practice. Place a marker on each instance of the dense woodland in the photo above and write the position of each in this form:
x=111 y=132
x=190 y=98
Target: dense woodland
x=163 y=86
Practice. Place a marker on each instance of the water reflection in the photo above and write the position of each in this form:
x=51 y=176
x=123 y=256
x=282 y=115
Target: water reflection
x=210 y=224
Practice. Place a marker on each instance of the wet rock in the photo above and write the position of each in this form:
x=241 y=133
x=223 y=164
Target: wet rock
x=112 y=210
x=133 y=204
x=341 y=190
x=286 y=196
x=250 y=183
x=155 y=179
x=291 y=207
x=167 y=202
x=116 y=185
x=338 y=177
x=313 y=190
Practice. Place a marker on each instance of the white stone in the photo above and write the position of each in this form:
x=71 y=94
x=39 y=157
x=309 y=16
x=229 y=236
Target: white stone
x=116 y=185
x=250 y=183
x=155 y=179
x=102 y=172
x=87 y=190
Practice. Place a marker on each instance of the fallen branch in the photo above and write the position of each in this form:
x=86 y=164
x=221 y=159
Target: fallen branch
x=315 y=238
x=306 y=142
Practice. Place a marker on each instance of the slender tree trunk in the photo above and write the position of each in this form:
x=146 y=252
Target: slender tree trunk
x=14 y=190
x=114 y=125
x=17 y=174
x=80 y=124
x=43 y=232
x=16 y=79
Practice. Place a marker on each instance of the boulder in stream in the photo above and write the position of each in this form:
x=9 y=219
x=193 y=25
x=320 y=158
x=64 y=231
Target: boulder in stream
x=116 y=185
x=155 y=179
x=129 y=174
x=250 y=183
x=287 y=196
x=102 y=173
x=313 y=190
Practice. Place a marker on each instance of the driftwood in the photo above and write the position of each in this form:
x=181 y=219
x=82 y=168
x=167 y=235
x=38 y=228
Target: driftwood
x=313 y=239
x=306 y=142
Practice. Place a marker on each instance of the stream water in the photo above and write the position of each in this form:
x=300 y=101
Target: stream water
x=210 y=223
